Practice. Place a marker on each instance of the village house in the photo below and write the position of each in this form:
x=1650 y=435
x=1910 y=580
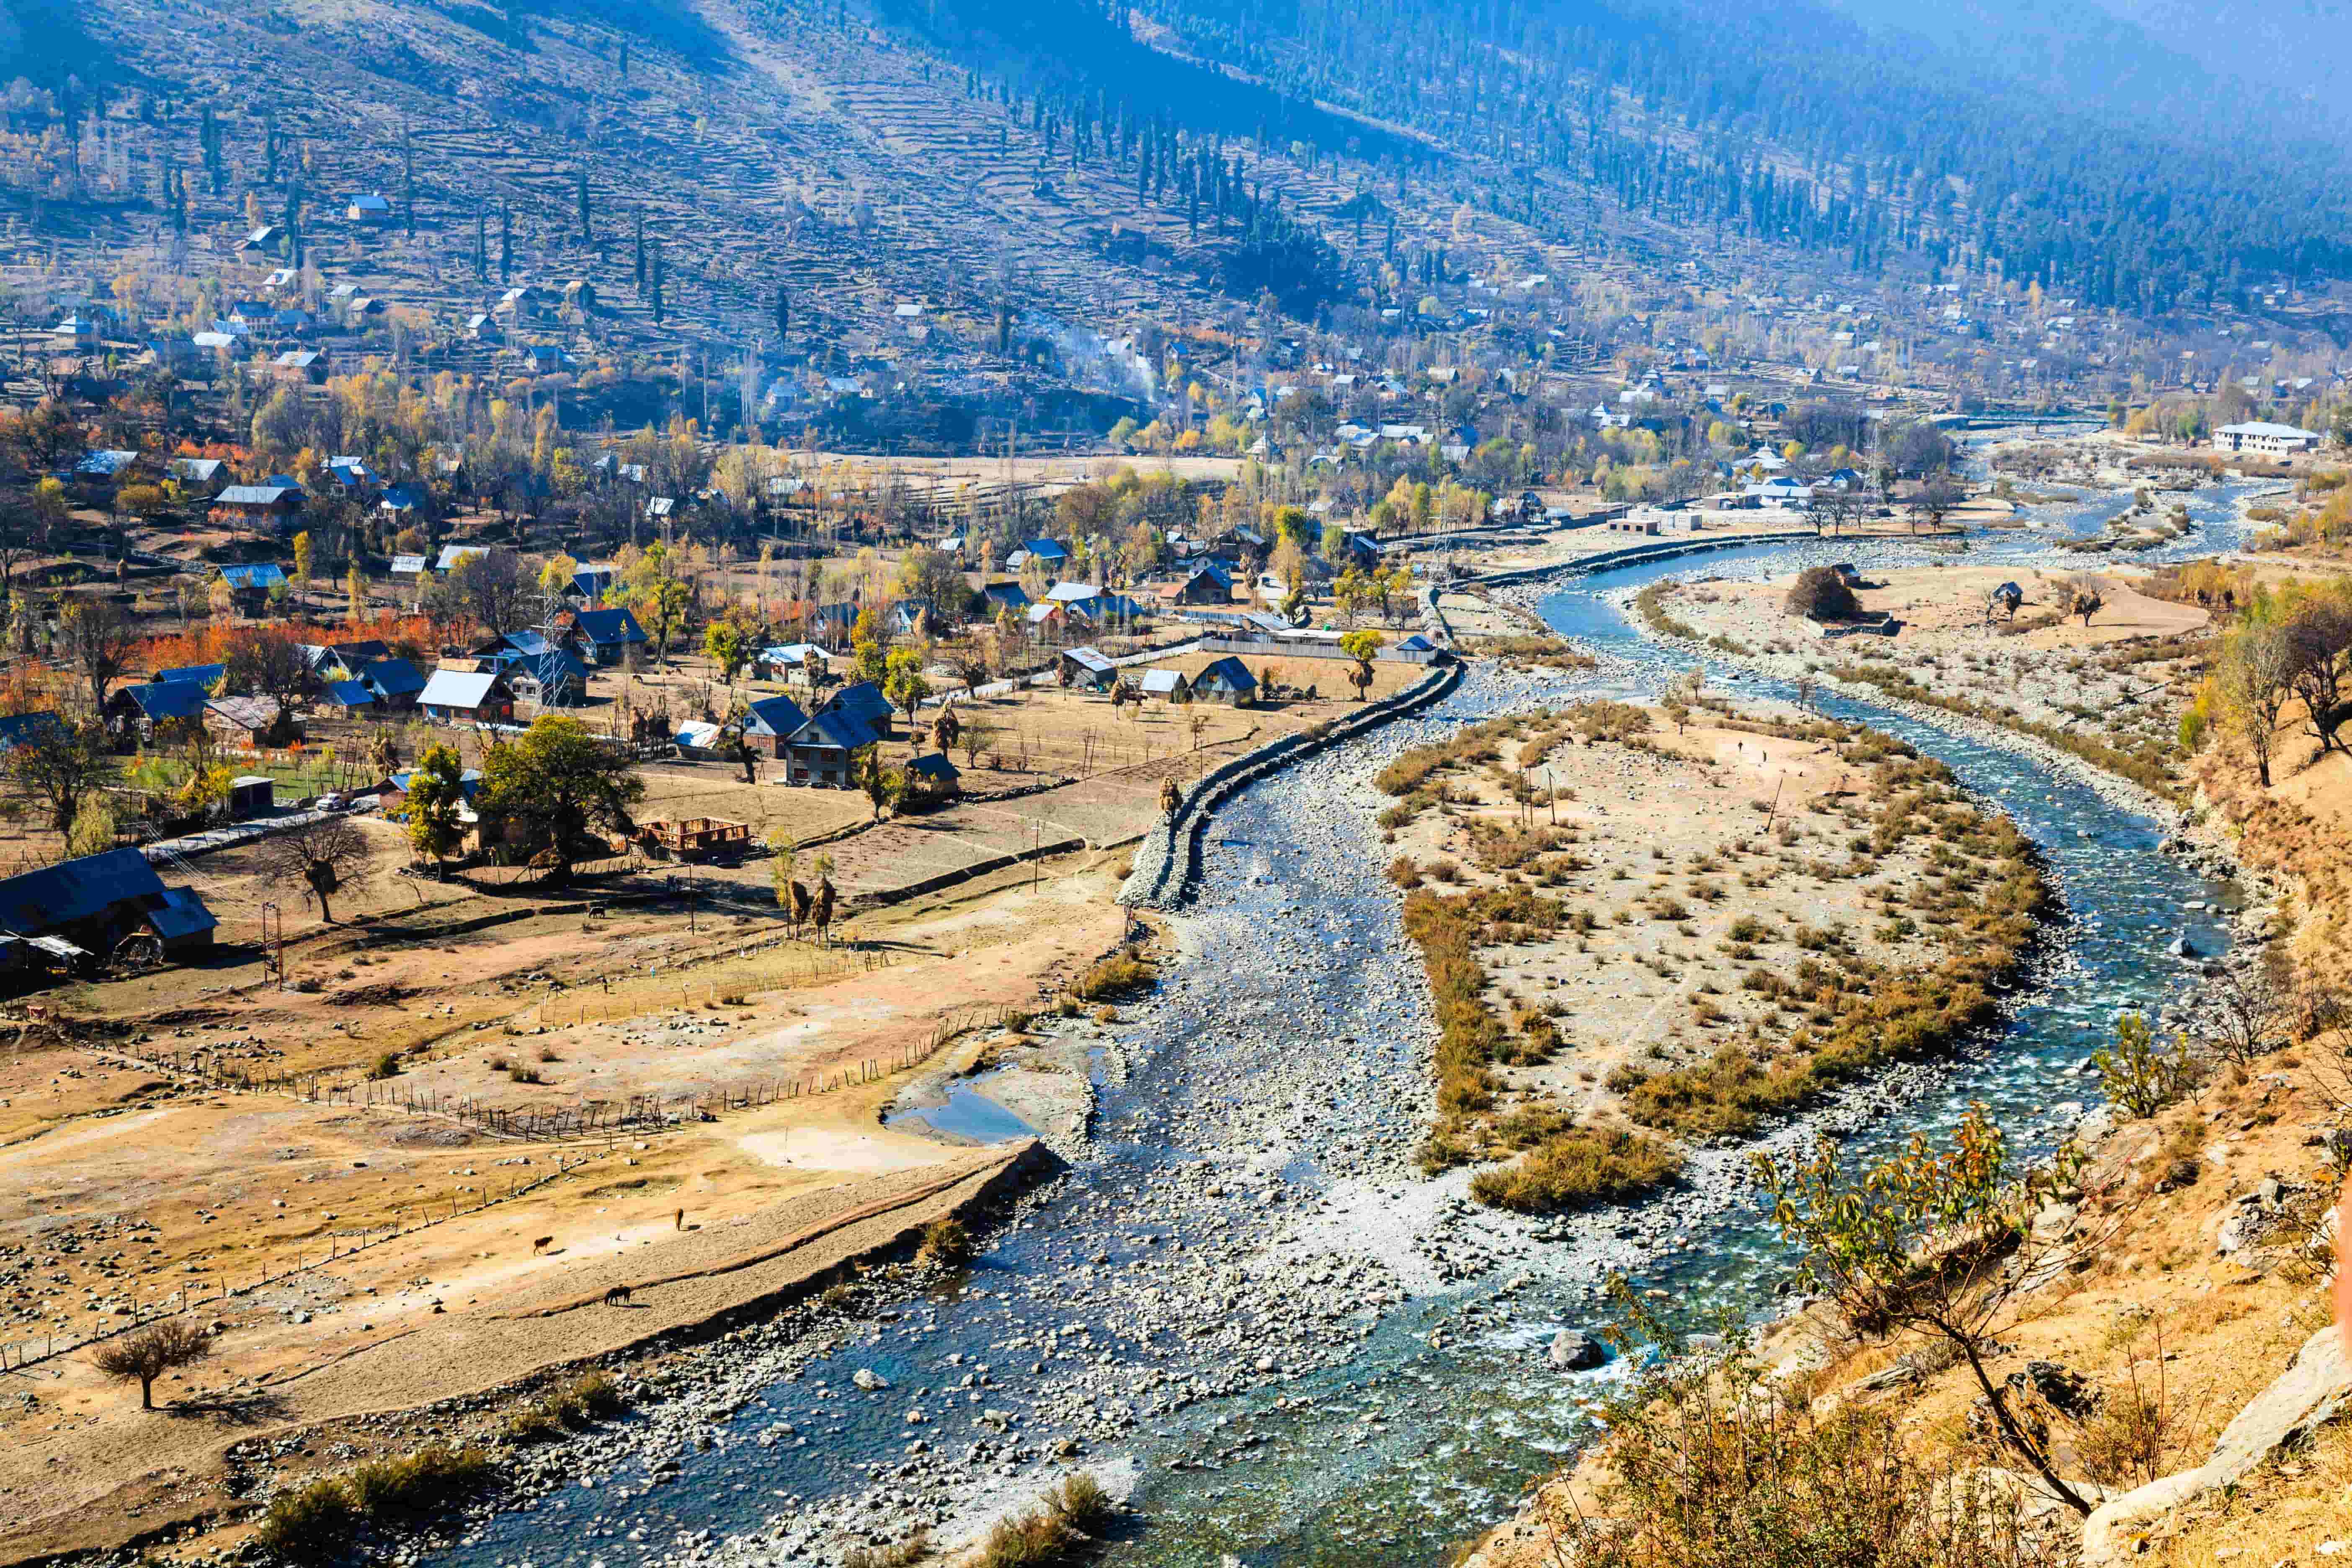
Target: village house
x=1044 y=552
x=589 y=585
x=261 y=507
x=249 y=720
x=1087 y=667
x=1167 y=685
x=1205 y=584
x=300 y=365
x=198 y=476
x=931 y=777
x=369 y=209
x=549 y=676
x=1227 y=680
x=90 y=905
x=606 y=637
x=996 y=596
x=772 y=721
x=819 y=753
x=137 y=712
x=395 y=684
x=350 y=699
x=467 y=697
x=249 y=586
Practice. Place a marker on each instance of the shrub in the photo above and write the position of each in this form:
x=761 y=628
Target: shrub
x=2142 y=1078
x=914 y=1549
x=1579 y=1168
x=1821 y=595
x=1115 y=975
x=1708 y=1465
x=311 y=1524
x=1057 y=1532
x=945 y=1240
x=521 y=1074
x=314 y=1523
x=387 y=1066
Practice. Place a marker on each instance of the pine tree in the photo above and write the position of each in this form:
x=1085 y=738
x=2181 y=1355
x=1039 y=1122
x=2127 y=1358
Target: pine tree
x=640 y=251
x=505 y=244
x=481 y=245
x=783 y=314
x=656 y=291
x=587 y=236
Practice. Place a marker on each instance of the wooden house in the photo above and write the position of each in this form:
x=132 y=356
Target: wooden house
x=1227 y=680
x=467 y=696
x=695 y=837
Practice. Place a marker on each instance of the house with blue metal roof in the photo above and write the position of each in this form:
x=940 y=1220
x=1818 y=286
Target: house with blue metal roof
x=249 y=586
x=351 y=697
x=773 y=720
x=205 y=675
x=606 y=637
x=395 y=683
x=818 y=753
x=137 y=709
x=98 y=900
x=16 y=729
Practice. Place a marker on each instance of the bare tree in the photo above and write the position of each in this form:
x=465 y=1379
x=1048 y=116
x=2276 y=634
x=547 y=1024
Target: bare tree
x=151 y=1352
x=98 y=637
x=327 y=857
x=59 y=763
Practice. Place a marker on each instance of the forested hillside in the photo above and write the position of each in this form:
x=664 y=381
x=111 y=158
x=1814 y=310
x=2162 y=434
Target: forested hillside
x=1787 y=121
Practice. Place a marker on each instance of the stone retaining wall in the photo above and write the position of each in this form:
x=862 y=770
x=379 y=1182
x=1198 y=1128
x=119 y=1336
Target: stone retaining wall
x=1169 y=859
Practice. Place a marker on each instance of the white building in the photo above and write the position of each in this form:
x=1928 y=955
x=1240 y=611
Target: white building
x=2276 y=440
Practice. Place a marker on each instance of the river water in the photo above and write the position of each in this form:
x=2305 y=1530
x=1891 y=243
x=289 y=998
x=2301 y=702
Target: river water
x=1392 y=1450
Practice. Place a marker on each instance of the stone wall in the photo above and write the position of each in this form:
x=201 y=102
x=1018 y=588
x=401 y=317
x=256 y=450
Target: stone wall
x=1169 y=859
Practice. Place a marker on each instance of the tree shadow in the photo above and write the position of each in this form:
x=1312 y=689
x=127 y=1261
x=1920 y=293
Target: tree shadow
x=256 y=1408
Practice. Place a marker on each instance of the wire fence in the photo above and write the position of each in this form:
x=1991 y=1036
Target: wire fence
x=18 y=1355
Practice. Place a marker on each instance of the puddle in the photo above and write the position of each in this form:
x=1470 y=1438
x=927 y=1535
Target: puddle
x=968 y=1114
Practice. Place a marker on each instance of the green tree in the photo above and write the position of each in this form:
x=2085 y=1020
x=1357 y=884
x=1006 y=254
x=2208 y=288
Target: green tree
x=660 y=603
x=886 y=787
x=724 y=644
x=436 y=791
x=903 y=685
x=869 y=645
x=559 y=781
x=1364 y=647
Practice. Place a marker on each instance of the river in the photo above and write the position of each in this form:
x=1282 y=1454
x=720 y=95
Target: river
x=1269 y=1094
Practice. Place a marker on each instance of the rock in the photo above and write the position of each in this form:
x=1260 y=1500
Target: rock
x=2068 y=1391
x=869 y=1379
x=2054 y=1223
x=2311 y=1392
x=2181 y=947
x=1574 y=1351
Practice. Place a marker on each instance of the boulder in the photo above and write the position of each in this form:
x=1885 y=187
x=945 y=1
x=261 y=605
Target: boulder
x=1572 y=1351
x=2314 y=1390
x=869 y=1379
